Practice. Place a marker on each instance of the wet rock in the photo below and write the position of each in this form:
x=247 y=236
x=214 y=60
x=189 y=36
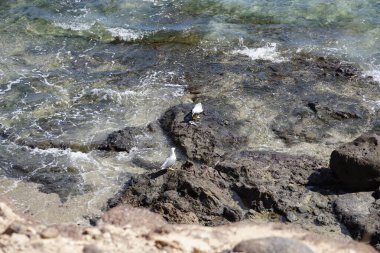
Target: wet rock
x=361 y=215
x=357 y=164
x=342 y=69
x=124 y=140
x=272 y=245
x=37 y=139
x=212 y=136
x=143 y=163
x=65 y=182
x=50 y=232
x=312 y=120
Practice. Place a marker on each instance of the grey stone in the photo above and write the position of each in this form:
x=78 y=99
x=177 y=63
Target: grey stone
x=360 y=214
x=272 y=245
x=50 y=232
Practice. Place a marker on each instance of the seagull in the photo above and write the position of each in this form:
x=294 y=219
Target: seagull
x=170 y=161
x=198 y=109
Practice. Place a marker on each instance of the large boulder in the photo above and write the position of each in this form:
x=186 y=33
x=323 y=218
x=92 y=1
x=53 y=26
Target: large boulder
x=215 y=134
x=357 y=164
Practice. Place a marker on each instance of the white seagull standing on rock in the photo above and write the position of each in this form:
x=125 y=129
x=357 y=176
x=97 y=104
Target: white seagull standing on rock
x=198 y=109
x=170 y=161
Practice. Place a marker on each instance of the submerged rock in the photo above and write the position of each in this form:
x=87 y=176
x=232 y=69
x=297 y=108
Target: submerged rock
x=126 y=139
x=64 y=181
x=357 y=164
x=312 y=120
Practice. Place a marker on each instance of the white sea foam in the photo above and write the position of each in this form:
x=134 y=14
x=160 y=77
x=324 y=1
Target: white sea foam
x=268 y=52
x=165 y=80
x=125 y=34
x=113 y=95
x=75 y=26
x=10 y=84
x=374 y=73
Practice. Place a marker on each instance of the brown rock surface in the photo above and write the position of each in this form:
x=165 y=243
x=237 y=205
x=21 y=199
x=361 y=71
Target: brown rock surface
x=147 y=232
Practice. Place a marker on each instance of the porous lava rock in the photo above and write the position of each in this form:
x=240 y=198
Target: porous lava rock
x=357 y=164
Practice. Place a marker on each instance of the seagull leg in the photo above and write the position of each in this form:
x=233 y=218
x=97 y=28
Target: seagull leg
x=171 y=169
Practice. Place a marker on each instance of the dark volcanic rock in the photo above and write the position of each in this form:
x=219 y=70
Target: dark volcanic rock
x=129 y=137
x=277 y=182
x=272 y=245
x=261 y=181
x=122 y=140
x=342 y=69
x=312 y=120
x=357 y=164
x=360 y=213
x=191 y=194
x=376 y=194
x=213 y=136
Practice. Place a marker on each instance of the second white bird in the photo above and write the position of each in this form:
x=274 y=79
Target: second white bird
x=170 y=161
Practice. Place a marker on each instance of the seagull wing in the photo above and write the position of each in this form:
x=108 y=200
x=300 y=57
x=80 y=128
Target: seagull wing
x=165 y=164
x=197 y=109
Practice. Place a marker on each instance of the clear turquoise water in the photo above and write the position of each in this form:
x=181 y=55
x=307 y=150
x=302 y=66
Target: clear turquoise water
x=73 y=71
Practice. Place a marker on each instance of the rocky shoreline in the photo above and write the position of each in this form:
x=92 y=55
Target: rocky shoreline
x=220 y=179
x=220 y=182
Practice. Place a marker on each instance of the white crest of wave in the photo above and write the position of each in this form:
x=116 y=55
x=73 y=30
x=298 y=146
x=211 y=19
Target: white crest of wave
x=75 y=26
x=375 y=73
x=112 y=95
x=125 y=34
x=268 y=52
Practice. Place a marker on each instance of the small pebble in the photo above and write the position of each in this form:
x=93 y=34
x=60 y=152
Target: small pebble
x=50 y=232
